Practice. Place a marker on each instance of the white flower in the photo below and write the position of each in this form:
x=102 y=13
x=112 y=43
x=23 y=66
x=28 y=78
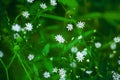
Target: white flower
x=62 y=78
x=28 y=27
x=1 y=54
x=55 y=70
x=53 y=2
x=59 y=38
x=89 y=72
x=117 y=39
x=73 y=65
x=80 y=24
x=16 y=27
x=16 y=35
x=113 y=46
x=97 y=44
x=25 y=14
x=30 y=57
x=74 y=49
x=43 y=5
x=119 y=62
x=116 y=76
x=84 y=52
x=80 y=37
x=30 y=1
x=79 y=56
x=62 y=73
x=46 y=74
x=69 y=27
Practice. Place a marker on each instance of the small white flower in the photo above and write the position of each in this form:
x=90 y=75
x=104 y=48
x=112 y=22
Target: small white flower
x=30 y=57
x=89 y=72
x=1 y=54
x=98 y=45
x=59 y=38
x=69 y=27
x=16 y=27
x=62 y=78
x=46 y=74
x=28 y=27
x=25 y=14
x=115 y=76
x=80 y=24
x=117 y=39
x=53 y=2
x=73 y=65
x=55 y=70
x=62 y=73
x=30 y=1
x=43 y=5
x=113 y=46
x=80 y=37
x=16 y=35
x=74 y=49
x=84 y=52
x=79 y=56
x=119 y=62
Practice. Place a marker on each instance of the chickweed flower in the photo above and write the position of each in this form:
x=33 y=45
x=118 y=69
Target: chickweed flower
x=62 y=73
x=73 y=65
x=89 y=72
x=98 y=44
x=79 y=56
x=80 y=24
x=119 y=62
x=55 y=70
x=46 y=74
x=74 y=49
x=30 y=57
x=30 y=1
x=1 y=54
x=16 y=27
x=69 y=27
x=59 y=38
x=28 y=27
x=43 y=5
x=53 y=2
x=113 y=46
x=115 y=76
x=117 y=39
x=25 y=14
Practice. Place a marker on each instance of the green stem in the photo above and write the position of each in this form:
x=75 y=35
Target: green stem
x=6 y=70
x=24 y=67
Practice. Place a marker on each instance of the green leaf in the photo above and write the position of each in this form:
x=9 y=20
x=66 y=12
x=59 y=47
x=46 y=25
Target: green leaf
x=48 y=65
x=46 y=49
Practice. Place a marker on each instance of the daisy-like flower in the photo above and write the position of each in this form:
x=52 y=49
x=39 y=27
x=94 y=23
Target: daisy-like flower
x=98 y=44
x=16 y=27
x=69 y=27
x=117 y=39
x=16 y=35
x=25 y=14
x=80 y=24
x=46 y=74
x=74 y=49
x=30 y=57
x=53 y=2
x=30 y=1
x=115 y=76
x=43 y=5
x=59 y=38
x=113 y=46
x=1 y=54
x=79 y=56
x=62 y=73
x=55 y=70
x=28 y=27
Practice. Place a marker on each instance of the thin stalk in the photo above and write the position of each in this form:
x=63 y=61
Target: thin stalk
x=24 y=67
